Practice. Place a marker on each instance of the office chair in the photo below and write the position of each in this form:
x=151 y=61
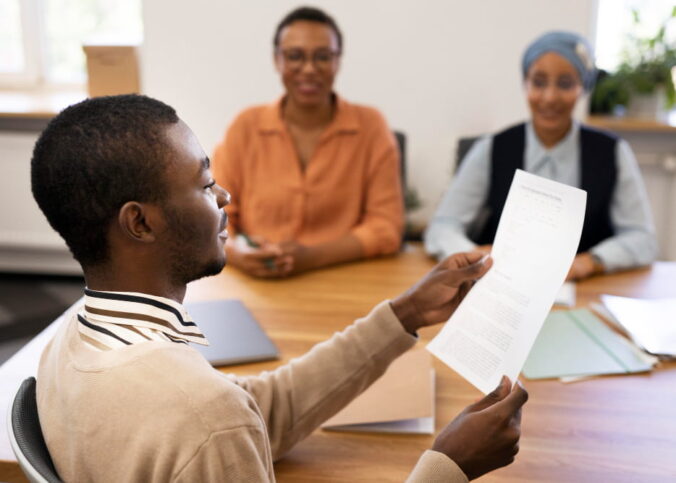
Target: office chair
x=464 y=145
x=400 y=137
x=476 y=226
x=25 y=436
x=401 y=145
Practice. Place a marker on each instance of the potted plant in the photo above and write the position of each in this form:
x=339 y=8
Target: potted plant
x=643 y=83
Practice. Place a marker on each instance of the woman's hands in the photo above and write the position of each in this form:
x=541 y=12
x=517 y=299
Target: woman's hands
x=258 y=258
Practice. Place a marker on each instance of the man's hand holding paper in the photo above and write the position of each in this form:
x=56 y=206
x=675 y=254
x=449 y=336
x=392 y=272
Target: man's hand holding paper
x=436 y=296
x=484 y=436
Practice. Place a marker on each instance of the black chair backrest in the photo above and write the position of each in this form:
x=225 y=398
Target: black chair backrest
x=27 y=431
x=401 y=144
x=477 y=225
x=464 y=145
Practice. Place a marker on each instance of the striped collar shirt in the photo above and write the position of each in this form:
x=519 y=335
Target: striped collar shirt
x=111 y=320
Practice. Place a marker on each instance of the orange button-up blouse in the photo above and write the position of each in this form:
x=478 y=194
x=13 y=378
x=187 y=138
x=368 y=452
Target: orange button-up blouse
x=350 y=185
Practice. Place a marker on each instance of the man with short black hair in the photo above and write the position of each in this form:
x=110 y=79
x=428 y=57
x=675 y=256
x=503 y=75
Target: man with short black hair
x=122 y=397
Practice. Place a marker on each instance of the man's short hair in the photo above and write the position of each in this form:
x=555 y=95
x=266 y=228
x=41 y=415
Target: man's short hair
x=308 y=14
x=93 y=158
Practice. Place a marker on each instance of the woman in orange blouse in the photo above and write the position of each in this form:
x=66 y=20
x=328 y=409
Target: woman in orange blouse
x=314 y=179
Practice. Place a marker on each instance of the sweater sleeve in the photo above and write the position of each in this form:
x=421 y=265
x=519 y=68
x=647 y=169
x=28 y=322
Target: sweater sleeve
x=382 y=223
x=245 y=461
x=297 y=397
x=435 y=467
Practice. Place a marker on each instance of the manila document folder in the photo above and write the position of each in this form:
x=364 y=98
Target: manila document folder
x=401 y=401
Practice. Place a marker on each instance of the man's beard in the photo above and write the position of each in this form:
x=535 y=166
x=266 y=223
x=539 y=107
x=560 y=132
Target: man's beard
x=185 y=265
x=184 y=274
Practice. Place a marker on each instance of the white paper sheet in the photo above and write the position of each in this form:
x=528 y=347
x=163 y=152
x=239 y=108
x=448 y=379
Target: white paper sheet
x=650 y=323
x=493 y=329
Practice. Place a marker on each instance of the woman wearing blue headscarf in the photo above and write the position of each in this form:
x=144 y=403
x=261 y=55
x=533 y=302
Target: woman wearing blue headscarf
x=618 y=231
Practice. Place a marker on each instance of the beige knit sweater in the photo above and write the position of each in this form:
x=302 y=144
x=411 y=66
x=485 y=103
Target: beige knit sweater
x=156 y=411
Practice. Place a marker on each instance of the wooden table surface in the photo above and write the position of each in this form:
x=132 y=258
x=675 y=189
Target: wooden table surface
x=620 y=428
x=614 y=123
x=606 y=429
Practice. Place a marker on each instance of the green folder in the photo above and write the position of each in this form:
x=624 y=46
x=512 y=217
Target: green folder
x=577 y=343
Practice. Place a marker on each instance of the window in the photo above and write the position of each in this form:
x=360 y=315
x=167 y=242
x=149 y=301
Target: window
x=41 y=40
x=615 y=23
x=19 y=52
x=12 y=59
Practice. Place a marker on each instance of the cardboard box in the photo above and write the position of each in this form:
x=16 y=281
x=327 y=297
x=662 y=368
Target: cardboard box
x=112 y=69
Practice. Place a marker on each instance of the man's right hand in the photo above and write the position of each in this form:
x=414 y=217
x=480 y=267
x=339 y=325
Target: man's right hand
x=485 y=436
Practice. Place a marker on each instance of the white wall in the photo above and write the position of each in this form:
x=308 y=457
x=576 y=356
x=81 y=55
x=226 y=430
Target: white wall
x=437 y=69
x=27 y=242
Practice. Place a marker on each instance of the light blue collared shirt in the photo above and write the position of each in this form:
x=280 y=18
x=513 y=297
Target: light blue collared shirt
x=634 y=243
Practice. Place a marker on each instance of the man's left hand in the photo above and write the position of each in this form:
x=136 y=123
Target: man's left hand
x=436 y=296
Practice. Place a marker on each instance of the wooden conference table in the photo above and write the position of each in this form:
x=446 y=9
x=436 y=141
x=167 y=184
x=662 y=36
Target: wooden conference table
x=607 y=429
x=619 y=428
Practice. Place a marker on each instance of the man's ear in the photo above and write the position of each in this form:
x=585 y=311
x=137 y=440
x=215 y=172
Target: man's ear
x=138 y=221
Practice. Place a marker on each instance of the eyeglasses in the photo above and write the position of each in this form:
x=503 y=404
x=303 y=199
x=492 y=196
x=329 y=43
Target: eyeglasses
x=564 y=84
x=294 y=59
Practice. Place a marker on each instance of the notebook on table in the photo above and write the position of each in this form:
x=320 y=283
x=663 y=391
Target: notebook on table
x=234 y=336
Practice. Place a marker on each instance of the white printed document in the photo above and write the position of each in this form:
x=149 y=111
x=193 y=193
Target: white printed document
x=493 y=329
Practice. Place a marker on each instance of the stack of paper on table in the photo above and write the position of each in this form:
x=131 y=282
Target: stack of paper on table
x=650 y=323
x=577 y=343
x=566 y=296
x=401 y=401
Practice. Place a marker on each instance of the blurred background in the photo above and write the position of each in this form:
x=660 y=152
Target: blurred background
x=439 y=70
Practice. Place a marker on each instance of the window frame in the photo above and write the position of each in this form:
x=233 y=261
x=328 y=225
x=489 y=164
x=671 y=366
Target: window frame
x=31 y=13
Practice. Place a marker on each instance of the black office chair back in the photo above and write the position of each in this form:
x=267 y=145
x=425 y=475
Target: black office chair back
x=25 y=426
x=464 y=145
x=401 y=144
x=476 y=226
